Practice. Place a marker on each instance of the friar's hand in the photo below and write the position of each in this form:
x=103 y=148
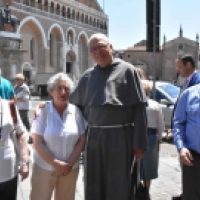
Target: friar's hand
x=37 y=109
x=138 y=154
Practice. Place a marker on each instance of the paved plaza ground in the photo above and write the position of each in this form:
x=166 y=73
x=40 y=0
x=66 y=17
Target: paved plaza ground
x=168 y=183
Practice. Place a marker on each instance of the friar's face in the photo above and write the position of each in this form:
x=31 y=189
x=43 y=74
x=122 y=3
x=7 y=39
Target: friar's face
x=101 y=51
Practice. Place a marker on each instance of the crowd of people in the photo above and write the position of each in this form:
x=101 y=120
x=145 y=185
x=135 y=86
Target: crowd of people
x=115 y=130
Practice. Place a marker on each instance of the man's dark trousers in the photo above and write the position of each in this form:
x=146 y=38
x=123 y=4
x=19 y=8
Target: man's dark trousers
x=24 y=117
x=191 y=178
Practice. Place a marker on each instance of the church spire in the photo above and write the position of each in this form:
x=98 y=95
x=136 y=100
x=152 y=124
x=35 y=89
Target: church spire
x=181 y=32
x=164 y=39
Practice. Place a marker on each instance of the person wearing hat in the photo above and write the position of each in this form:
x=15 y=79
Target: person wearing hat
x=22 y=100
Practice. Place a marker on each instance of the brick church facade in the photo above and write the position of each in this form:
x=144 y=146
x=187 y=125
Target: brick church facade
x=165 y=58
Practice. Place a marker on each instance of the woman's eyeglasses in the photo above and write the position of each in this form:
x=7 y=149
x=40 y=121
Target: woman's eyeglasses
x=60 y=89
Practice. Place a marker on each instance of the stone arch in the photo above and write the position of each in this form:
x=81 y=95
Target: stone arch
x=82 y=33
x=27 y=66
x=70 y=63
x=27 y=70
x=71 y=29
x=37 y=23
x=56 y=38
x=70 y=56
x=57 y=26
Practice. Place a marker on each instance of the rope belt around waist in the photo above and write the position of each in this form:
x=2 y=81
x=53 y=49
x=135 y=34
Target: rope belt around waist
x=111 y=126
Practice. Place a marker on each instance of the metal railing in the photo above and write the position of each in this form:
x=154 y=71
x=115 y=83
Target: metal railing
x=56 y=17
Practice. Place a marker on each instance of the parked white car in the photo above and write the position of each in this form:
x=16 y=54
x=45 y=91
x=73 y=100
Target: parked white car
x=166 y=94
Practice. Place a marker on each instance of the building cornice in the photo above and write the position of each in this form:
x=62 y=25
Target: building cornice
x=84 y=8
x=180 y=40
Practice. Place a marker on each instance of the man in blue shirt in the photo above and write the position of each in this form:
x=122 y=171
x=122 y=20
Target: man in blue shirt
x=186 y=68
x=186 y=132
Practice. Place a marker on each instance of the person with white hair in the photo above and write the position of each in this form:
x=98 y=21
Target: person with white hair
x=113 y=104
x=59 y=136
x=22 y=100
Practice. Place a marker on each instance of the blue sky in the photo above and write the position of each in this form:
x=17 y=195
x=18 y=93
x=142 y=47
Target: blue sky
x=127 y=20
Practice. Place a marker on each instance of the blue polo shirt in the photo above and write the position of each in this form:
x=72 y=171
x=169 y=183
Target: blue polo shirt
x=6 y=89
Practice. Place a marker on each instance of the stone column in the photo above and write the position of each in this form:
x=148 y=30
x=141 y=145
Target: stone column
x=75 y=16
x=48 y=7
x=60 y=56
x=65 y=49
x=36 y=4
x=61 y=14
x=42 y=5
x=54 y=9
x=43 y=59
x=76 y=67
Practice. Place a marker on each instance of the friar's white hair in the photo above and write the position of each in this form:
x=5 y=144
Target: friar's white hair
x=98 y=36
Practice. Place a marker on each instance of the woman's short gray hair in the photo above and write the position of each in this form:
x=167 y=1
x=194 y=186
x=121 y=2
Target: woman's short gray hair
x=51 y=83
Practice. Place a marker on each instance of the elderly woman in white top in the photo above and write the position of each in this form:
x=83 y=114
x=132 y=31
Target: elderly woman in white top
x=11 y=151
x=59 y=137
x=155 y=129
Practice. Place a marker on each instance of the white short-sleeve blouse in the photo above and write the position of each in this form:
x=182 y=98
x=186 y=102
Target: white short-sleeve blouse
x=8 y=161
x=60 y=134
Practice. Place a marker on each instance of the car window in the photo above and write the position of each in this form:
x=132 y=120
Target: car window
x=159 y=95
x=171 y=90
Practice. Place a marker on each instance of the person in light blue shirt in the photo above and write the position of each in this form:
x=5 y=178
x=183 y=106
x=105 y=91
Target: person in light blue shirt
x=186 y=132
x=6 y=89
